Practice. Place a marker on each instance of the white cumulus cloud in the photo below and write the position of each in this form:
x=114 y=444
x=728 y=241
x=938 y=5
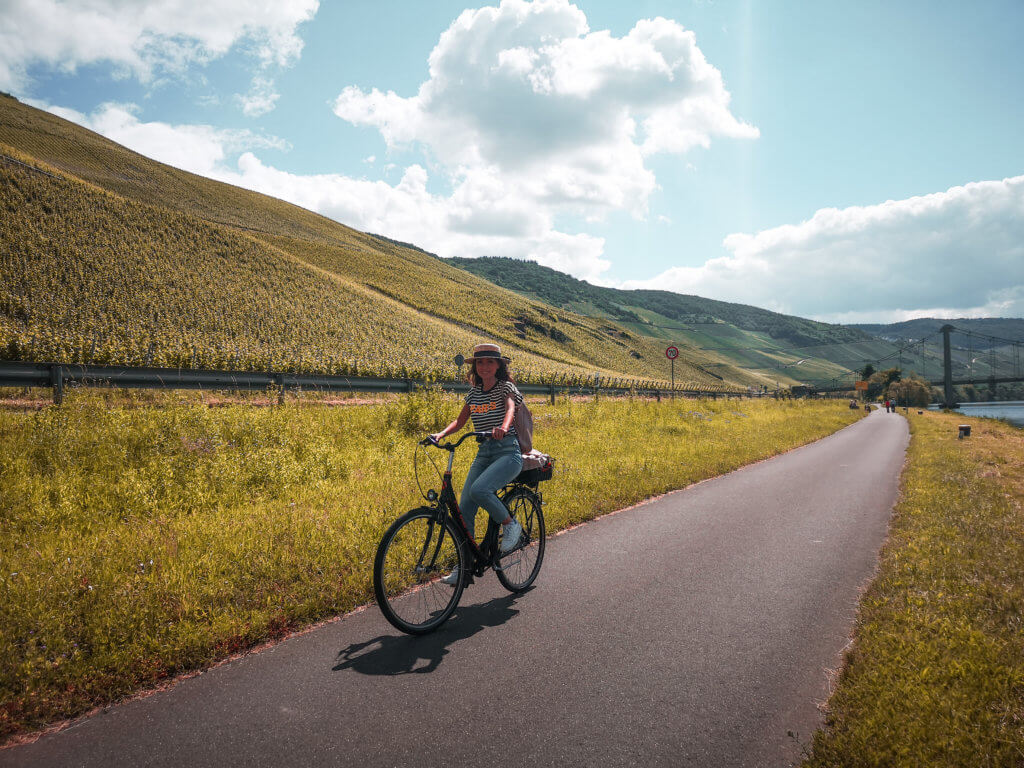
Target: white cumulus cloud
x=201 y=149
x=260 y=99
x=532 y=114
x=143 y=39
x=947 y=254
x=473 y=221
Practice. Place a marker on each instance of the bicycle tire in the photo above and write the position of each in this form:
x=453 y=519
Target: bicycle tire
x=519 y=569
x=407 y=568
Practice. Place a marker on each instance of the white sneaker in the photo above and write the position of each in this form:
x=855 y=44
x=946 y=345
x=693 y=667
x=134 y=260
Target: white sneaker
x=452 y=578
x=511 y=535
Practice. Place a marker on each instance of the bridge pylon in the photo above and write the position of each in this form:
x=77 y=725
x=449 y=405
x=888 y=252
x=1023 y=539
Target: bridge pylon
x=947 y=369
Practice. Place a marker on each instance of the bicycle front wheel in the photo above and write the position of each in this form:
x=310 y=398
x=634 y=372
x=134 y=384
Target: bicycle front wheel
x=416 y=551
x=519 y=568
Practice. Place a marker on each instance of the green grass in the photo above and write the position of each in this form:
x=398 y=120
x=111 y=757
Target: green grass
x=139 y=542
x=936 y=673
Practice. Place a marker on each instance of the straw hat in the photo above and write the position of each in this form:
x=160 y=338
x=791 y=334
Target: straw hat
x=487 y=351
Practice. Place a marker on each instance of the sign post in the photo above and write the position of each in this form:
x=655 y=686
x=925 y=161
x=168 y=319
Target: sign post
x=672 y=353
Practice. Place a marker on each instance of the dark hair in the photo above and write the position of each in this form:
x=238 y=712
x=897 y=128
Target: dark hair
x=502 y=374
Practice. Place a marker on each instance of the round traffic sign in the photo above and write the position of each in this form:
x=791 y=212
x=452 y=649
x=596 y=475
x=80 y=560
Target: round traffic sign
x=671 y=353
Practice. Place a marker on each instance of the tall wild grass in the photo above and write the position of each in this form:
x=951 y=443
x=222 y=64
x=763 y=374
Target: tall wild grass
x=140 y=542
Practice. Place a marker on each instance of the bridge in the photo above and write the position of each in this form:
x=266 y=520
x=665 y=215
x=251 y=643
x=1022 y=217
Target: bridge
x=986 y=345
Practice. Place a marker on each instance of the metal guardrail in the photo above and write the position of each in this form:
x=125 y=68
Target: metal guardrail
x=60 y=375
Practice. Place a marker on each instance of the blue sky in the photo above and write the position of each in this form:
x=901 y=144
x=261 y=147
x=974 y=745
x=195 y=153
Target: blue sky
x=843 y=161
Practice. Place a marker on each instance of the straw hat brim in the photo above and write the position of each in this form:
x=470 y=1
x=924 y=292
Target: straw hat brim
x=487 y=352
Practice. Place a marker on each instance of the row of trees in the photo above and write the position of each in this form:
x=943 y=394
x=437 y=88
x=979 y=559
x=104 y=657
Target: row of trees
x=891 y=385
x=912 y=390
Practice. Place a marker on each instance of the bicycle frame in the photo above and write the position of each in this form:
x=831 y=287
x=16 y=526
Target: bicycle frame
x=448 y=504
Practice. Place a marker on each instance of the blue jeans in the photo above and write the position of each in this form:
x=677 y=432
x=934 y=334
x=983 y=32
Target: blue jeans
x=497 y=464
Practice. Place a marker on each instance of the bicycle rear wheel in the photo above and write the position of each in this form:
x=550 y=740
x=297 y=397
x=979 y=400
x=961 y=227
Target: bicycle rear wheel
x=415 y=552
x=519 y=568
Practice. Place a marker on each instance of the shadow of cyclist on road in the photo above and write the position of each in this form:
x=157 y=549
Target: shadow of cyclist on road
x=404 y=654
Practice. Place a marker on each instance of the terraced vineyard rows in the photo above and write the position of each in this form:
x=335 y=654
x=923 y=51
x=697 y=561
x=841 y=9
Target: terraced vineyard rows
x=463 y=298
x=120 y=269
x=91 y=277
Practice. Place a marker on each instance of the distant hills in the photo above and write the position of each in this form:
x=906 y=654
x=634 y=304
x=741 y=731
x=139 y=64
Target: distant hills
x=771 y=344
x=637 y=306
x=911 y=330
x=783 y=348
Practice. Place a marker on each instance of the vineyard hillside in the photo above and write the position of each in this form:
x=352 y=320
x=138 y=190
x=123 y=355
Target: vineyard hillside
x=110 y=257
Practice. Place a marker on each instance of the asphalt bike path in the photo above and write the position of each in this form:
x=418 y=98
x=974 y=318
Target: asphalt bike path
x=701 y=628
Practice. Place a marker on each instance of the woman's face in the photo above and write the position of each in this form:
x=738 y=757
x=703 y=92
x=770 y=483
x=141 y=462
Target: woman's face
x=487 y=367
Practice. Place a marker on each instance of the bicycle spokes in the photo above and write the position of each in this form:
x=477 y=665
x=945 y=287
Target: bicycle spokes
x=415 y=552
x=519 y=567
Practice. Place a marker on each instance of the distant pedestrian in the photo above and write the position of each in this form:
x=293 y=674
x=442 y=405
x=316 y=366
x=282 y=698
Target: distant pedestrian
x=888 y=406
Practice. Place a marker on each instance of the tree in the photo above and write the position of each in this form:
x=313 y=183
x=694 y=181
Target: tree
x=866 y=372
x=879 y=382
x=911 y=391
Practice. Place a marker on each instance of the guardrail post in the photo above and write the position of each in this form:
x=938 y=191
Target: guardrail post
x=552 y=394
x=280 y=388
x=57 y=382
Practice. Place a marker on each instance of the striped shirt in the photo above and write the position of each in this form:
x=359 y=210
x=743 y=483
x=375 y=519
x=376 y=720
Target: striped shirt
x=487 y=409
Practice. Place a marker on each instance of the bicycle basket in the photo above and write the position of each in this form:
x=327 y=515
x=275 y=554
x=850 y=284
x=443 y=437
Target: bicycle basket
x=539 y=474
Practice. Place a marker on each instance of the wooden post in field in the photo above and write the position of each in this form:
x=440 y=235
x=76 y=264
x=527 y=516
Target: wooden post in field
x=57 y=382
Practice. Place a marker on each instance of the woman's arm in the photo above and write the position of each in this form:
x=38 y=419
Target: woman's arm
x=456 y=425
x=498 y=433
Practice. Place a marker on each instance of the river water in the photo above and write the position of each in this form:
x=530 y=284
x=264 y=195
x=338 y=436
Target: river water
x=1011 y=410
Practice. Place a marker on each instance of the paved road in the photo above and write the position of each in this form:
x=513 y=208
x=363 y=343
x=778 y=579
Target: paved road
x=694 y=630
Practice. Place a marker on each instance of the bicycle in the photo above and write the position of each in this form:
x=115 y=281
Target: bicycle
x=429 y=542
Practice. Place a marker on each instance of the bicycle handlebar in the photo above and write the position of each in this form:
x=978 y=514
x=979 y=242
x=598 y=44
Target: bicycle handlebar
x=456 y=444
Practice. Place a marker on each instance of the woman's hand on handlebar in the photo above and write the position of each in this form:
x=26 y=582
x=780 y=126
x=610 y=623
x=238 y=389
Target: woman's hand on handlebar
x=435 y=439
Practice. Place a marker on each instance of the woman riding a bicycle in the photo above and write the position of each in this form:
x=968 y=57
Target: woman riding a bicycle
x=491 y=404
x=429 y=541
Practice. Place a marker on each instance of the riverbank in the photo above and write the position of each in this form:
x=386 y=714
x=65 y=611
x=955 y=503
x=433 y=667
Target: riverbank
x=141 y=542
x=935 y=675
x=1011 y=412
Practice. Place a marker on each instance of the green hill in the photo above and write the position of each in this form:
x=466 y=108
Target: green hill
x=110 y=257
x=720 y=334
x=565 y=291
x=780 y=347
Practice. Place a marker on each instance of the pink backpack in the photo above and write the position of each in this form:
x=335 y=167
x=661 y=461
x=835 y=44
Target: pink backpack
x=523 y=422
